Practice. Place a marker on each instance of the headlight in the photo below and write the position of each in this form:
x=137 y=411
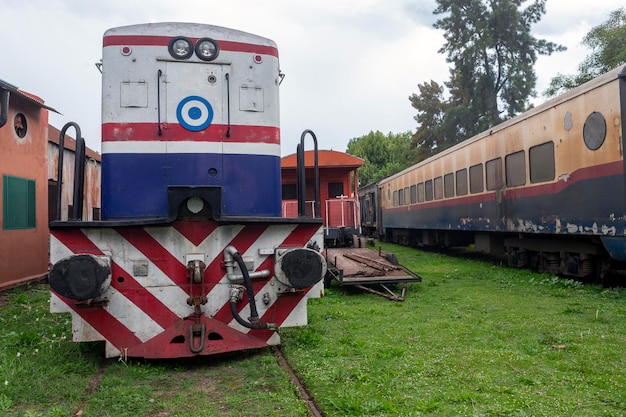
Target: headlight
x=180 y=47
x=206 y=49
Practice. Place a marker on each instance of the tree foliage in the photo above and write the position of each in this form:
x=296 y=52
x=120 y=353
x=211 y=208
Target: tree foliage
x=606 y=42
x=428 y=138
x=384 y=155
x=493 y=53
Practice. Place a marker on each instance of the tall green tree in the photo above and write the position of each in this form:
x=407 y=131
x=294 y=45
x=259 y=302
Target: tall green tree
x=606 y=42
x=492 y=52
x=384 y=155
x=431 y=107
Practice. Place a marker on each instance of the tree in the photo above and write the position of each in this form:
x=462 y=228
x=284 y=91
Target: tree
x=493 y=54
x=383 y=155
x=607 y=52
x=430 y=106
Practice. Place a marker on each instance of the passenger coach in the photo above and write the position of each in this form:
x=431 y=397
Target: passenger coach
x=547 y=186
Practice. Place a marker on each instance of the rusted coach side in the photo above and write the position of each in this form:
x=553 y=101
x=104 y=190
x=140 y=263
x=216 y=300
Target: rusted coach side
x=547 y=185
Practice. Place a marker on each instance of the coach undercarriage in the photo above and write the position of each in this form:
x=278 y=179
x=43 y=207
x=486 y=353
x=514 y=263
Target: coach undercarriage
x=583 y=258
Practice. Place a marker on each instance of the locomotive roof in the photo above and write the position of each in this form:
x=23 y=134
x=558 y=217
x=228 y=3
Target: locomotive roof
x=605 y=78
x=189 y=29
x=326 y=159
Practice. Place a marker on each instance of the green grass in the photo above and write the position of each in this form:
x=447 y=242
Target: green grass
x=470 y=340
x=41 y=372
x=44 y=374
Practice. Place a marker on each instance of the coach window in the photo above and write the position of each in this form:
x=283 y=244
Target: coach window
x=335 y=189
x=461 y=182
x=413 y=192
x=594 y=131
x=494 y=174
x=438 y=188
x=289 y=192
x=420 y=192
x=541 y=161
x=401 y=197
x=428 y=190
x=395 y=198
x=448 y=185
x=406 y=195
x=476 y=179
x=515 y=166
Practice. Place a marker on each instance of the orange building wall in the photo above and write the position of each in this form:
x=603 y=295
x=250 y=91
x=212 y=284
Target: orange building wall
x=24 y=253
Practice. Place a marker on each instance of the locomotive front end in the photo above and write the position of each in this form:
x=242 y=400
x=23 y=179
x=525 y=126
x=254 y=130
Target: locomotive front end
x=191 y=256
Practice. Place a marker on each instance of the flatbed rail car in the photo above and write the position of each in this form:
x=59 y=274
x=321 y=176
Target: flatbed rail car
x=192 y=256
x=368 y=270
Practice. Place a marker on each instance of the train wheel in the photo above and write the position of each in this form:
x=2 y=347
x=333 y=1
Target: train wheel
x=602 y=268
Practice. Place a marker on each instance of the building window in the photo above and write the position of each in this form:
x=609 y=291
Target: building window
x=19 y=209
x=20 y=125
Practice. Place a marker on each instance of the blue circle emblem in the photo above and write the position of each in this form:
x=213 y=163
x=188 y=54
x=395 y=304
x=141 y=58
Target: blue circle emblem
x=194 y=113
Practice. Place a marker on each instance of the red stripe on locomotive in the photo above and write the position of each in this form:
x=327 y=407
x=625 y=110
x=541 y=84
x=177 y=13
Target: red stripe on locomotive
x=144 y=40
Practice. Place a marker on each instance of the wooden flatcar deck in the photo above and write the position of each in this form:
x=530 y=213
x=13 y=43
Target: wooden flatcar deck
x=366 y=268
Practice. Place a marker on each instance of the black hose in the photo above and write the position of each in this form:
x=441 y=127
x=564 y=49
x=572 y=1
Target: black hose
x=244 y=323
x=254 y=322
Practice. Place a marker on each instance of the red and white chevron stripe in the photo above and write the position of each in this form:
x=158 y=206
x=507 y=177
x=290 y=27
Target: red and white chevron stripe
x=145 y=311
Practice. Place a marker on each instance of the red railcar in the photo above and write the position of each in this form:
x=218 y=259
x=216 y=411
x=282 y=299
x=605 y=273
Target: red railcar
x=339 y=184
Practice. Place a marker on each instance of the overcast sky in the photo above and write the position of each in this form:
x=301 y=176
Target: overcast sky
x=350 y=65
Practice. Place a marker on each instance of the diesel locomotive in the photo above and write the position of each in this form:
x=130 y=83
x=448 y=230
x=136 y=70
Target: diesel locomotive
x=191 y=255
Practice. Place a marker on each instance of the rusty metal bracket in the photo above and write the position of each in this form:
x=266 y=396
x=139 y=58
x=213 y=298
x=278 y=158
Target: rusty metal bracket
x=390 y=296
x=197 y=329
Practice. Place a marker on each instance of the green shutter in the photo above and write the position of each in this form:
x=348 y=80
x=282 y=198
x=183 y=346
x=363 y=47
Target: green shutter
x=19 y=209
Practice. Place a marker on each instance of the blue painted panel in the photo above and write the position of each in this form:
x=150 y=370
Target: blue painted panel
x=252 y=185
x=135 y=185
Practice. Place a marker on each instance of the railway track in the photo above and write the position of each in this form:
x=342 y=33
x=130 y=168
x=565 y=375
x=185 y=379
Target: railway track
x=303 y=393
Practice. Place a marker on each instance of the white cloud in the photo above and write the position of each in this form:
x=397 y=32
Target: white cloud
x=351 y=64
